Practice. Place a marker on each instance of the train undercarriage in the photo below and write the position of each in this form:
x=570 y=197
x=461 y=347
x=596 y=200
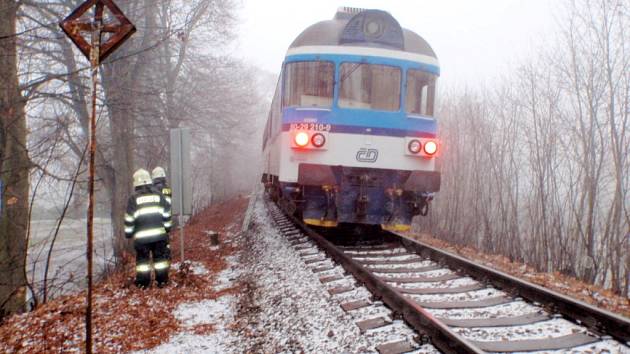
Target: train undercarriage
x=327 y=196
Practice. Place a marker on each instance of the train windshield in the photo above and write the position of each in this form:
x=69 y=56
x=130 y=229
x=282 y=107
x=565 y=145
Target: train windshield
x=369 y=86
x=309 y=84
x=420 y=93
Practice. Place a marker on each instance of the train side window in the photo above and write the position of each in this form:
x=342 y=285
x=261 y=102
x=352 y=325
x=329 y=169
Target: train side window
x=308 y=84
x=267 y=130
x=420 y=93
x=275 y=115
x=369 y=86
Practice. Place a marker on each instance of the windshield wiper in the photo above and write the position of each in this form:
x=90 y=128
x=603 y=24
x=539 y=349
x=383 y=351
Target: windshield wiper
x=352 y=70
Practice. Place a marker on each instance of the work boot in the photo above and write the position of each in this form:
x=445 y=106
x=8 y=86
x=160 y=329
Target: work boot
x=162 y=284
x=142 y=285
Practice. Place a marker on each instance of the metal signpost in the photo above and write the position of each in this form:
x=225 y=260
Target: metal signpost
x=181 y=179
x=96 y=51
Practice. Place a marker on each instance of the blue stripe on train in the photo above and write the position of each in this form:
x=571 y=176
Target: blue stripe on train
x=358 y=121
x=349 y=129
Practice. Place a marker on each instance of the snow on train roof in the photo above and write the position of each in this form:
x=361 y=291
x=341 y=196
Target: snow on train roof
x=350 y=27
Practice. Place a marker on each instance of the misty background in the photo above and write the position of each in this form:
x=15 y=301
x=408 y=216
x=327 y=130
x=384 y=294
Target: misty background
x=533 y=109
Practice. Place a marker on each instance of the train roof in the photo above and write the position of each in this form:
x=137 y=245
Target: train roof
x=363 y=28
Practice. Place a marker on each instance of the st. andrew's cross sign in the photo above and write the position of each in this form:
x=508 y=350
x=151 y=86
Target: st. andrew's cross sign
x=74 y=25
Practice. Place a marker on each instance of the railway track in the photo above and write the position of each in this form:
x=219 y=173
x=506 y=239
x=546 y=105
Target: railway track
x=454 y=304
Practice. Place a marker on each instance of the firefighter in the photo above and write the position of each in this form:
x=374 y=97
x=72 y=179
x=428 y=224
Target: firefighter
x=148 y=221
x=159 y=182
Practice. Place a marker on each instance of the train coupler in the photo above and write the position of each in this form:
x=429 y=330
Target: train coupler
x=361 y=206
x=392 y=205
x=420 y=206
x=331 y=206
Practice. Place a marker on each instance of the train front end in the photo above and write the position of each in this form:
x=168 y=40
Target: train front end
x=357 y=138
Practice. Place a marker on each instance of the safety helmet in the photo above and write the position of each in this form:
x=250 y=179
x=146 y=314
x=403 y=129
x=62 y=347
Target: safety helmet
x=141 y=178
x=158 y=172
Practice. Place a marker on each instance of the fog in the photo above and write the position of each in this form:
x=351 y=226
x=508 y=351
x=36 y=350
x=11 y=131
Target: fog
x=476 y=41
x=527 y=170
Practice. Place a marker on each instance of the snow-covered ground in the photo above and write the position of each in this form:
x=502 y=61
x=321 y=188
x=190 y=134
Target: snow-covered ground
x=283 y=308
x=282 y=305
x=218 y=313
x=295 y=312
x=68 y=265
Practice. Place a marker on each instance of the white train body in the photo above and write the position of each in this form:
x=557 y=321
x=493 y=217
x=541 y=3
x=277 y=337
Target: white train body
x=351 y=135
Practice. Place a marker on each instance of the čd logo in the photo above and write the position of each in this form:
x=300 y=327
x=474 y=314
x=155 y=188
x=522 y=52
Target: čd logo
x=367 y=155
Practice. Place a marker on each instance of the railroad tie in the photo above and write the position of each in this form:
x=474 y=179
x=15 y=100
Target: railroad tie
x=387 y=246
x=453 y=290
x=309 y=253
x=380 y=254
x=354 y=305
x=298 y=242
x=372 y=323
x=298 y=238
x=340 y=289
x=330 y=278
x=314 y=260
x=527 y=345
x=420 y=279
x=323 y=268
x=404 y=269
x=391 y=262
x=496 y=322
x=304 y=246
x=399 y=347
x=468 y=304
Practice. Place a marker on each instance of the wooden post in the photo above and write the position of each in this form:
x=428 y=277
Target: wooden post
x=94 y=63
x=96 y=52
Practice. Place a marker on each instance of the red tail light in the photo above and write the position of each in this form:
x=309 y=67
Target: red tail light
x=430 y=147
x=301 y=139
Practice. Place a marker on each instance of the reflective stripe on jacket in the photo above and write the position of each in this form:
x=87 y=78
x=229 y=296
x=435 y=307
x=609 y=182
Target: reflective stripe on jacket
x=148 y=217
x=161 y=186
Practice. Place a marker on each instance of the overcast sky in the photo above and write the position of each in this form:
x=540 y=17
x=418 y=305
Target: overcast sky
x=473 y=39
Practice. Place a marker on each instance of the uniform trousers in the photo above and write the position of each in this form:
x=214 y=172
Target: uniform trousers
x=152 y=256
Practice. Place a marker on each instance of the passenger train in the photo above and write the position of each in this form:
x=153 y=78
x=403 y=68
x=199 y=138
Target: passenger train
x=351 y=136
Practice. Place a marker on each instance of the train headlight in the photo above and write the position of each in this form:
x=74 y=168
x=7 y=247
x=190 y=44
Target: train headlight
x=301 y=139
x=414 y=146
x=318 y=140
x=430 y=147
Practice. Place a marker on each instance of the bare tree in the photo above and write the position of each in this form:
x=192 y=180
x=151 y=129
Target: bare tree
x=538 y=169
x=14 y=167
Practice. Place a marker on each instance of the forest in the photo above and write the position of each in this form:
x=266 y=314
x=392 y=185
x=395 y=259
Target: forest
x=536 y=167
x=176 y=71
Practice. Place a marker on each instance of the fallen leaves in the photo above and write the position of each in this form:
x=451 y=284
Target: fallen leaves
x=556 y=281
x=127 y=318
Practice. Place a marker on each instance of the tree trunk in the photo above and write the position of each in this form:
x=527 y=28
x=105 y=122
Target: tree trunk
x=14 y=169
x=120 y=104
x=121 y=83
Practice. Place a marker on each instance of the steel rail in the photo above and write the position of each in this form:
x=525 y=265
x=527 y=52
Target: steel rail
x=601 y=322
x=595 y=319
x=420 y=319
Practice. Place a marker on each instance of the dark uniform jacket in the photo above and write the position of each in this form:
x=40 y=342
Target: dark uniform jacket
x=148 y=217
x=160 y=185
